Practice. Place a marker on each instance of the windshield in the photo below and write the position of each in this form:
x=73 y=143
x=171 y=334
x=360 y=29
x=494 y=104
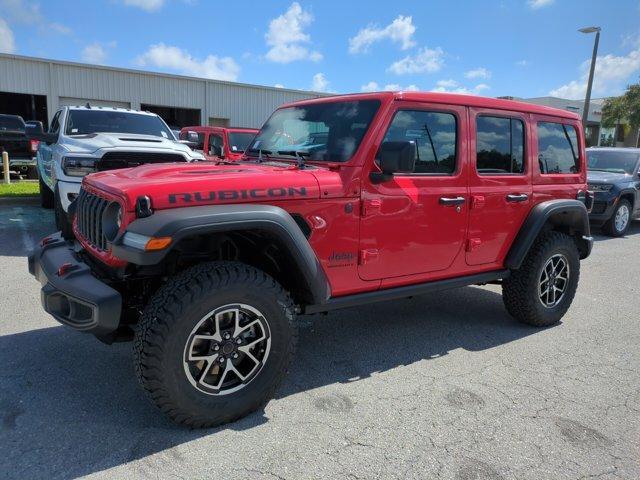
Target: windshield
x=239 y=141
x=11 y=123
x=324 y=131
x=82 y=122
x=614 y=162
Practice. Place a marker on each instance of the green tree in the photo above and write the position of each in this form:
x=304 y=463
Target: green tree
x=626 y=107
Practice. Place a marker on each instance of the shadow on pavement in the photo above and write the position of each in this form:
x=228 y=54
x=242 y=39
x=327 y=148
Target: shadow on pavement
x=633 y=232
x=71 y=406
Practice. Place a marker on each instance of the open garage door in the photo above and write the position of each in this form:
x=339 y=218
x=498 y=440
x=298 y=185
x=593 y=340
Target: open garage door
x=71 y=102
x=29 y=107
x=174 y=116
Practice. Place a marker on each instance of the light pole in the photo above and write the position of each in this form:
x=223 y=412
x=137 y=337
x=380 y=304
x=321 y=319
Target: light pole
x=587 y=100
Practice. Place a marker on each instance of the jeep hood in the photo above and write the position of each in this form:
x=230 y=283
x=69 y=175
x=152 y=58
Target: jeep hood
x=175 y=185
x=93 y=142
x=606 y=177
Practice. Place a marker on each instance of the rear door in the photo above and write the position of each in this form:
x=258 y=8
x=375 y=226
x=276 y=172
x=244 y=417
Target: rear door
x=499 y=182
x=416 y=223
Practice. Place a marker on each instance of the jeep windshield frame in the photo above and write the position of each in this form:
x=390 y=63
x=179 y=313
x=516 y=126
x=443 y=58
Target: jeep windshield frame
x=86 y=122
x=321 y=132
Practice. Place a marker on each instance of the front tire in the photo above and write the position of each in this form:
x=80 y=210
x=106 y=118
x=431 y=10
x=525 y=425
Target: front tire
x=620 y=220
x=540 y=292
x=62 y=219
x=46 y=195
x=214 y=343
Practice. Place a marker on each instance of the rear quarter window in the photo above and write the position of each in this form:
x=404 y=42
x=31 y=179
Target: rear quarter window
x=557 y=148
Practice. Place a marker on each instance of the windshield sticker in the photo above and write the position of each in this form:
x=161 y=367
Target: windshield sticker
x=164 y=134
x=74 y=130
x=234 y=148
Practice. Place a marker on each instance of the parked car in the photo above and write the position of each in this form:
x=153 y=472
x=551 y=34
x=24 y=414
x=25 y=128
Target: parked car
x=14 y=141
x=216 y=143
x=87 y=139
x=614 y=177
x=411 y=193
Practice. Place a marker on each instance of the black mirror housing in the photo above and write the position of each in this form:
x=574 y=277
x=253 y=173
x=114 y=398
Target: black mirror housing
x=397 y=157
x=36 y=132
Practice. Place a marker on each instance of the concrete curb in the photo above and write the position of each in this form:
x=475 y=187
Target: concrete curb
x=30 y=200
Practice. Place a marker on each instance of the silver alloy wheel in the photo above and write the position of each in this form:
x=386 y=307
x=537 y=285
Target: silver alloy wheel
x=554 y=280
x=227 y=349
x=622 y=218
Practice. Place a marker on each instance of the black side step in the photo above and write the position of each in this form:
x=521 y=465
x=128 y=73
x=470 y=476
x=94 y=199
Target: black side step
x=406 y=291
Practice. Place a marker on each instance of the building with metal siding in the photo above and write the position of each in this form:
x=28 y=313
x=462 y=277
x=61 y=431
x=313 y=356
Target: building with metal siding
x=35 y=88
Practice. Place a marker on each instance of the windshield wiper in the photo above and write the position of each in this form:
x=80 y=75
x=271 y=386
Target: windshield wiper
x=295 y=153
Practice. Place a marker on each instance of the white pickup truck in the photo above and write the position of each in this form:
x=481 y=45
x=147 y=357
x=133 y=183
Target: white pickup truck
x=82 y=140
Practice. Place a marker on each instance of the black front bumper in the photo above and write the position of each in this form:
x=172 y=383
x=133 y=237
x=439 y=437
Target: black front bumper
x=71 y=294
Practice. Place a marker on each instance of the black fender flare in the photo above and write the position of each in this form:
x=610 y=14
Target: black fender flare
x=570 y=215
x=180 y=223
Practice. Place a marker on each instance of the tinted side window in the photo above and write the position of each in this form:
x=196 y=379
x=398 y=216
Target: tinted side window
x=55 y=123
x=557 y=148
x=499 y=145
x=434 y=134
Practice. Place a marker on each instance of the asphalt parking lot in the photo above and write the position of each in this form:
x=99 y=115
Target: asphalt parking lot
x=441 y=386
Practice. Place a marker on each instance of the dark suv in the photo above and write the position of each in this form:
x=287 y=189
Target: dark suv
x=614 y=176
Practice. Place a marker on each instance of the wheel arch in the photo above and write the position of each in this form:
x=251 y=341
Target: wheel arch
x=629 y=196
x=567 y=216
x=252 y=228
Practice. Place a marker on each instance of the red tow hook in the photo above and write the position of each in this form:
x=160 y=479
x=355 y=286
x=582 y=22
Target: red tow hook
x=46 y=241
x=66 y=268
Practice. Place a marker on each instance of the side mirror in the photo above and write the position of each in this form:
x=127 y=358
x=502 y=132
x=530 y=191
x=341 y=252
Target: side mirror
x=36 y=132
x=192 y=137
x=394 y=157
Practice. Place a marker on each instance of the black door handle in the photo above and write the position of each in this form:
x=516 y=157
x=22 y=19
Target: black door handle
x=451 y=201
x=519 y=197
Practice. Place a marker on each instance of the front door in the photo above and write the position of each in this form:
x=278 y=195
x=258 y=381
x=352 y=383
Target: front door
x=499 y=183
x=416 y=223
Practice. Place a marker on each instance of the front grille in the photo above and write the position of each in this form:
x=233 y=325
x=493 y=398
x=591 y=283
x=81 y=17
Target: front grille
x=89 y=210
x=599 y=207
x=114 y=160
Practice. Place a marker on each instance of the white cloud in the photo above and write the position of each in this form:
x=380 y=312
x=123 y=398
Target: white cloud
x=480 y=72
x=7 y=42
x=611 y=76
x=536 y=4
x=96 y=52
x=426 y=60
x=523 y=63
x=389 y=87
x=178 y=60
x=452 y=86
x=319 y=83
x=148 y=5
x=287 y=39
x=28 y=13
x=279 y=85
x=400 y=31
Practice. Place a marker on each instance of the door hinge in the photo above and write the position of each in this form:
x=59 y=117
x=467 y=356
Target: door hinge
x=473 y=244
x=369 y=207
x=368 y=255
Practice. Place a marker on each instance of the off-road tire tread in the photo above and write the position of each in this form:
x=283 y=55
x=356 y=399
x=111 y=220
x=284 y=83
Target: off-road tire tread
x=519 y=291
x=166 y=306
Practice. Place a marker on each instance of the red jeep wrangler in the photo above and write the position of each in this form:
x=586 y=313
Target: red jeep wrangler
x=339 y=201
x=218 y=143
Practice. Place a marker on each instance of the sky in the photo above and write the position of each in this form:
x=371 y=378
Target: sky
x=522 y=48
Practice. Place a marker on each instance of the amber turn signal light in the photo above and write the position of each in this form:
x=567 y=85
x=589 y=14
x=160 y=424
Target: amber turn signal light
x=157 y=243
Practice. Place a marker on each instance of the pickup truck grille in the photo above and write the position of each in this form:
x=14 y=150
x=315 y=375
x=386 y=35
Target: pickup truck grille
x=114 y=160
x=89 y=210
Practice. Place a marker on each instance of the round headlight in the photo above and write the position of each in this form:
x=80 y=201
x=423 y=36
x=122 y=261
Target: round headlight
x=112 y=221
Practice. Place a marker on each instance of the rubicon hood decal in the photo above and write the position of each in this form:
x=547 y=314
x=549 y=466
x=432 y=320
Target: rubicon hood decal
x=242 y=194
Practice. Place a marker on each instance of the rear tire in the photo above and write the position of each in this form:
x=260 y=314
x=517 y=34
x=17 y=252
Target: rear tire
x=46 y=195
x=62 y=219
x=183 y=375
x=620 y=220
x=540 y=292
